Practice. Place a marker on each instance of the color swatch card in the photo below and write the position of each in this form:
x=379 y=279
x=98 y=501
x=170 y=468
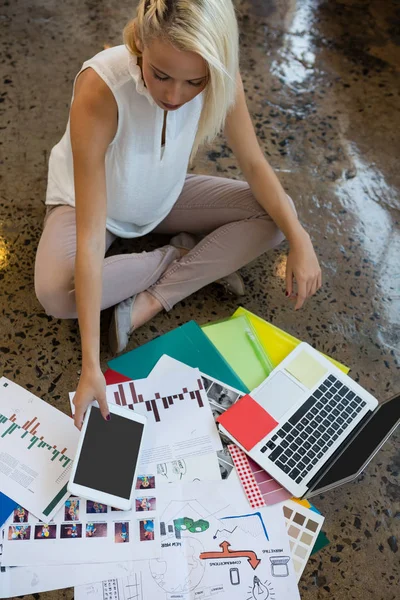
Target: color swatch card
x=303 y=527
x=37 y=446
x=260 y=488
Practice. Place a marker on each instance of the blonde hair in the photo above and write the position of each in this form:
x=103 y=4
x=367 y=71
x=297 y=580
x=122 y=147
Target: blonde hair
x=208 y=28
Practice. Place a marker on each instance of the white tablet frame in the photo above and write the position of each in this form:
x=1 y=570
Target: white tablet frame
x=97 y=495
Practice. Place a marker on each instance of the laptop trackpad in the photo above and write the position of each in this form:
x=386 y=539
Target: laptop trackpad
x=279 y=395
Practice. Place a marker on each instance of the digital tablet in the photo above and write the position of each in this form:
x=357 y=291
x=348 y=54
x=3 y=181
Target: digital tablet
x=107 y=457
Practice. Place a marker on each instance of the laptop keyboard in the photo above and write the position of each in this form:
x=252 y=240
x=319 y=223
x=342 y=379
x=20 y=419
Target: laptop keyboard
x=304 y=439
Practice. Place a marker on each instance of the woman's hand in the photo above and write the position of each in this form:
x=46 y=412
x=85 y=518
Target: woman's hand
x=92 y=386
x=303 y=267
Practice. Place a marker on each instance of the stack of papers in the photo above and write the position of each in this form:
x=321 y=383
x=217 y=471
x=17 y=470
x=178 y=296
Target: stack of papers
x=209 y=540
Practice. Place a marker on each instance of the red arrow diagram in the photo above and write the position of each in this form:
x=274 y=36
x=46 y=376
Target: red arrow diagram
x=226 y=553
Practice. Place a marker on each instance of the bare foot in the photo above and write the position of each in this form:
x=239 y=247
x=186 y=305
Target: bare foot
x=144 y=308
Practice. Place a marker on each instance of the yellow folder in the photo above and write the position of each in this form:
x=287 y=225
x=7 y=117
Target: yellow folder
x=276 y=342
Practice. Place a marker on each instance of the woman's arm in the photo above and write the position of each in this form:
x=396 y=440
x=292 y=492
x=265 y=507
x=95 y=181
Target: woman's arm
x=93 y=124
x=302 y=261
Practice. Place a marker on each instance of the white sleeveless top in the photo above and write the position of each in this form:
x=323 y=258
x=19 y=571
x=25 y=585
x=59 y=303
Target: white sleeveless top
x=143 y=179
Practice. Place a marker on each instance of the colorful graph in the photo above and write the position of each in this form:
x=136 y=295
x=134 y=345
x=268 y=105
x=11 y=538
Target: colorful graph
x=127 y=396
x=30 y=429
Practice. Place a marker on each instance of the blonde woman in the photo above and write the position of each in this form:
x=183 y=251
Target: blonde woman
x=139 y=113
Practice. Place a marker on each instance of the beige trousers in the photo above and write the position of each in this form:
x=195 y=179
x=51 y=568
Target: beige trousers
x=234 y=230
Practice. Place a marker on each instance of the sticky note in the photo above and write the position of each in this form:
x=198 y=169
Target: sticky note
x=247 y=422
x=306 y=369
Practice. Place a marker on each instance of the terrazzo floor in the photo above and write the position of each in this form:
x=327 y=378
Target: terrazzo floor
x=322 y=82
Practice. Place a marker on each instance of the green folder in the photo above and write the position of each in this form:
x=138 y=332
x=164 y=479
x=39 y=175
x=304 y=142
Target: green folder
x=186 y=343
x=320 y=542
x=238 y=343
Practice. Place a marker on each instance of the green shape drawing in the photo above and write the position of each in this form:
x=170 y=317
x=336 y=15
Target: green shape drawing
x=187 y=524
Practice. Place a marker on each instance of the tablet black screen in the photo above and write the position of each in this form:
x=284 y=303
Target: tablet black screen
x=109 y=454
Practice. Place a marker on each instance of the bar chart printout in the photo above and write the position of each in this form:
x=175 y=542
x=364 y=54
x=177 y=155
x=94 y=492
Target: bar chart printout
x=172 y=402
x=37 y=444
x=126 y=395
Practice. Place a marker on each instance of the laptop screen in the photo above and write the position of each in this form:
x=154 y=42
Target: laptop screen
x=364 y=444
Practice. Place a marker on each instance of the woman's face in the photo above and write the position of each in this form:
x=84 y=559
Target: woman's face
x=172 y=77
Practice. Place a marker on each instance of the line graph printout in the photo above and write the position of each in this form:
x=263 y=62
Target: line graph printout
x=180 y=422
x=37 y=445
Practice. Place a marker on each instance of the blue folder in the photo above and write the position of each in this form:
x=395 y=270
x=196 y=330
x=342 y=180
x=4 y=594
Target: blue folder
x=187 y=344
x=6 y=507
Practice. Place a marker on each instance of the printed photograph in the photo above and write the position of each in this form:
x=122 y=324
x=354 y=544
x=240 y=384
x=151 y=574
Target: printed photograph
x=146 y=530
x=146 y=482
x=19 y=532
x=116 y=509
x=121 y=532
x=221 y=396
x=95 y=507
x=20 y=515
x=45 y=532
x=96 y=530
x=225 y=463
x=145 y=504
x=206 y=382
x=216 y=410
x=71 y=510
x=71 y=531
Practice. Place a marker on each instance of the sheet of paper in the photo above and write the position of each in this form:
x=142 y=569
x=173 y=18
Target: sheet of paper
x=220 y=396
x=17 y=581
x=172 y=403
x=86 y=531
x=238 y=556
x=37 y=445
x=303 y=525
x=20 y=581
x=193 y=468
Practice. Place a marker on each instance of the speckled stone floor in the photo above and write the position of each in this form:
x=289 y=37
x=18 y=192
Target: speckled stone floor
x=322 y=80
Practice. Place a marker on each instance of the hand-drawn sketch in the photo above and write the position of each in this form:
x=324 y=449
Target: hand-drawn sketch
x=261 y=591
x=223 y=532
x=252 y=523
x=234 y=576
x=172 y=471
x=279 y=566
x=251 y=556
x=209 y=555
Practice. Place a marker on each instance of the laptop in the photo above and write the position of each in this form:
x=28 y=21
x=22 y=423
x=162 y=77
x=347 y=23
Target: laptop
x=312 y=409
x=356 y=453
